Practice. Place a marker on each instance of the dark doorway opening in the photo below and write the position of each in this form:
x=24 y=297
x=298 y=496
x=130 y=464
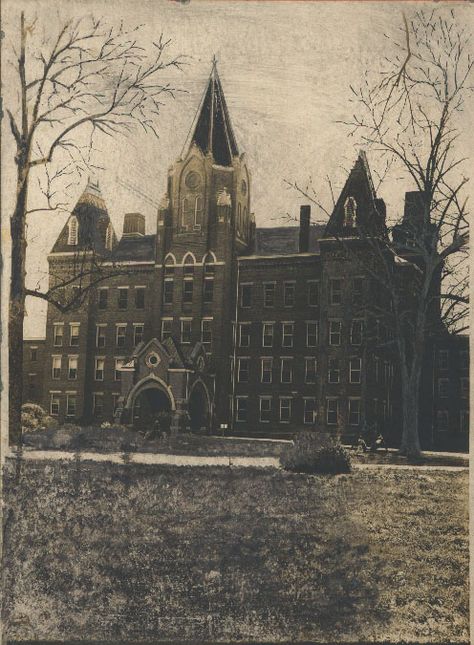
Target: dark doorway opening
x=198 y=410
x=152 y=407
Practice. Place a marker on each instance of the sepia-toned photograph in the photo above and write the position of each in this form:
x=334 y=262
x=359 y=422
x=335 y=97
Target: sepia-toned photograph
x=235 y=321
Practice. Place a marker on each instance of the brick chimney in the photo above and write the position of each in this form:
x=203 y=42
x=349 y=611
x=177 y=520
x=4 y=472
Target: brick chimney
x=133 y=225
x=305 y=215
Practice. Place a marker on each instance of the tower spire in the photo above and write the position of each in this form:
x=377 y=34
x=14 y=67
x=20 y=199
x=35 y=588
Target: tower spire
x=213 y=131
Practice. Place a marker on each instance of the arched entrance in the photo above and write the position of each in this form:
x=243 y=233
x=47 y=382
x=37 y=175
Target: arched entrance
x=198 y=408
x=151 y=404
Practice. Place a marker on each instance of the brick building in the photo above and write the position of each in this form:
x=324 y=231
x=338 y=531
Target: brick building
x=255 y=332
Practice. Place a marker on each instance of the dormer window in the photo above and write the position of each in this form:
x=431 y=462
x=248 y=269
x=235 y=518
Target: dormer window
x=73 y=228
x=350 y=211
x=109 y=238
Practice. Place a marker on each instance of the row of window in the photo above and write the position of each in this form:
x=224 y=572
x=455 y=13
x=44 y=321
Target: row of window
x=121 y=332
x=58 y=334
x=289 y=292
x=312 y=333
x=122 y=297
x=443 y=359
x=285 y=410
x=444 y=387
x=267 y=370
x=442 y=421
x=188 y=290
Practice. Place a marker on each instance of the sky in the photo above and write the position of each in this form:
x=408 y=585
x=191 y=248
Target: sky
x=285 y=67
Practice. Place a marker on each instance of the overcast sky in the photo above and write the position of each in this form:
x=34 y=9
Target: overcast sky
x=285 y=68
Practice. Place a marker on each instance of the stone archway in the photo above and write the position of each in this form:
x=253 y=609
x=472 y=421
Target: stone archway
x=198 y=409
x=151 y=403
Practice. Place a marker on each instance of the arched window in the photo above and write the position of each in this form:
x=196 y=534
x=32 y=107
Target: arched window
x=184 y=213
x=170 y=261
x=246 y=222
x=198 y=212
x=350 y=212
x=109 y=237
x=239 y=217
x=73 y=230
x=188 y=262
x=209 y=261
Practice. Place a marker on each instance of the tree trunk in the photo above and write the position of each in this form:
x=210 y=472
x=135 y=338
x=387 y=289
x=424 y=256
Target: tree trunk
x=410 y=445
x=17 y=310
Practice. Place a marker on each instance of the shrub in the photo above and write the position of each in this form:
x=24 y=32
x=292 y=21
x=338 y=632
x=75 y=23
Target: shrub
x=34 y=410
x=315 y=452
x=29 y=423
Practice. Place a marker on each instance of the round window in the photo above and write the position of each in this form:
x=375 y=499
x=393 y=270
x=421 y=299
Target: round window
x=192 y=180
x=152 y=360
x=243 y=187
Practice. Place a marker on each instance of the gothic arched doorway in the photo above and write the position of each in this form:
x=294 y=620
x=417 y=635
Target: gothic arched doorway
x=151 y=404
x=198 y=408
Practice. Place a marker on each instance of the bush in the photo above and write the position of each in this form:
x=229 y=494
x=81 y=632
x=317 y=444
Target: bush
x=315 y=452
x=34 y=410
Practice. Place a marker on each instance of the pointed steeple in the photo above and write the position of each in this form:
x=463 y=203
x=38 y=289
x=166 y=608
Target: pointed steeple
x=213 y=130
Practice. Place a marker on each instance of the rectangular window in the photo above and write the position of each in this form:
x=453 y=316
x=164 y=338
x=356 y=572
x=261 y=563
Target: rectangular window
x=267 y=334
x=56 y=368
x=243 y=366
x=71 y=405
x=186 y=331
x=443 y=359
x=140 y=297
x=246 y=295
x=311 y=333
x=334 y=373
x=115 y=401
x=464 y=387
x=97 y=404
x=356 y=332
x=265 y=409
x=332 y=411
x=267 y=370
x=289 y=294
x=313 y=293
x=244 y=335
x=137 y=333
x=355 y=370
x=117 y=373
x=269 y=294
x=287 y=334
x=464 y=421
x=285 y=410
x=103 y=297
x=354 y=412
x=309 y=410
x=443 y=387
x=286 y=370
x=464 y=360
x=241 y=409
x=335 y=286
x=208 y=290
x=58 y=331
x=166 y=328
x=442 y=421
x=72 y=368
x=188 y=288
x=168 y=289
x=357 y=290
x=100 y=335
x=206 y=331
x=54 y=405
x=335 y=327
x=122 y=301
x=310 y=368
x=120 y=335
x=99 y=369
x=33 y=354
x=73 y=334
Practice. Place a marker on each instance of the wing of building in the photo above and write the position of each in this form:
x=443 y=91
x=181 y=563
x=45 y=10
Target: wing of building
x=230 y=328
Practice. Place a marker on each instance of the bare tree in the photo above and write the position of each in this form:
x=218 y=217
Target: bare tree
x=407 y=115
x=87 y=80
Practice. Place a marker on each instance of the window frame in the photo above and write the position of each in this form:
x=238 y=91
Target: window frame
x=261 y=410
x=289 y=400
x=332 y=333
x=285 y=360
x=354 y=371
x=316 y=334
x=268 y=360
x=271 y=325
x=284 y=335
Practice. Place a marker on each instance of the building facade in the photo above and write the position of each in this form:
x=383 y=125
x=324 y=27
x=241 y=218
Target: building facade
x=225 y=327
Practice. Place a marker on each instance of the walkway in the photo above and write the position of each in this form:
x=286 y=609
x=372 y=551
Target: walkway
x=195 y=460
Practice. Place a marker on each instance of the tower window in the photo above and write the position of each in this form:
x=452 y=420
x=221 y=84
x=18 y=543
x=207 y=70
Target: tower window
x=109 y=238
x=198 y=213
x=73 y=230
x=350 y=211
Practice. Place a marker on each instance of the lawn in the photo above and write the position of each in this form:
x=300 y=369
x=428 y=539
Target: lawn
x=108 y=551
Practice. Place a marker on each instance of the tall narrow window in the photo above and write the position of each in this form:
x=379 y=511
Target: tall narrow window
x=311 y=333
x=310 y=370
x=269 y=294
x=103 y=295
x=265 y=409
x=73 y=231
x=118 y=365
x=97 y=404
x=267 y=334
x=58 y=331
x=56 y=368
x=334 y=373
x=357 y=290
x=137 y=333
x=246 y=295
x=208 y=295
x=335 y=286
x=285 y=409
x=354 y=412
x=243 y=366
x=241 y=409
x=71 y=405
x=313 y=293
x=100 y=331
x=206 y=331
x=309 y=410
x=186 y=331
x=188 y=290
x=335 y=332
x=198 y=213
x=54 y=405
x=289 y=294
x=332 y=411
x=72 y=368
x=355 y=370
x=286 y=370
x=120 y=335
x=443 y=359
x=287 y=334
x=267 y=369
x=166 y=328
x=188 y=265
x=122 y=297
x=357 y=327
x=168 y=288
x=350 y=212
x=99 y=369
x=244 y=334
x=442 y=420
x=74 y=334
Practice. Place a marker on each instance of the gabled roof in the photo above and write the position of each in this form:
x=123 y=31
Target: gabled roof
x=140 y=249
x=370 y=211
x=284 y=240
x=213 y=130
x=93 y=220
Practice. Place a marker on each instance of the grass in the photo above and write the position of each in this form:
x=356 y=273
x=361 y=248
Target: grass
x=95 y=551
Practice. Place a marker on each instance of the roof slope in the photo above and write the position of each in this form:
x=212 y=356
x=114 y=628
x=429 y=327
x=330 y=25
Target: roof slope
x=284 y=240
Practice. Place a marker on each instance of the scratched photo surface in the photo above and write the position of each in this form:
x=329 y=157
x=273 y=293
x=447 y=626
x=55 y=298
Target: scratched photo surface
x=235 y=321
